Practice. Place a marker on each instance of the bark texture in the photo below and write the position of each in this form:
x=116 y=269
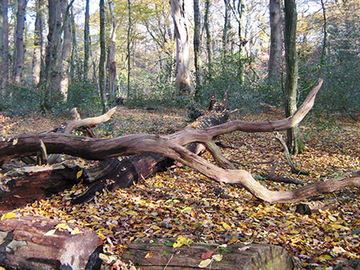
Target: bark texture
x=19 y=40
x=251 y=257
x=182 y=47
x=276 y=23
x=25 y=245
x=4 y=43
x=294 y=141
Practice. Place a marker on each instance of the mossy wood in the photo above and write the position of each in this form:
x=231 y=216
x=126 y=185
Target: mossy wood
x=156 y=256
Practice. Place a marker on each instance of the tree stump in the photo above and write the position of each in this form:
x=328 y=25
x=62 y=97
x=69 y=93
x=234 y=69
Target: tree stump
x=30 y=242
x=157 y=255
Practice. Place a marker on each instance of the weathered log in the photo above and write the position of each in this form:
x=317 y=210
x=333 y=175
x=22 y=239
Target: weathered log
x=28 y=184
x=29 y=242
x=156 y=255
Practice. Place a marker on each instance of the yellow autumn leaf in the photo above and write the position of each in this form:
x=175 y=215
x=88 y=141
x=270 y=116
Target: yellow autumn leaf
x=79 y=174
x=131 y=213
x=181 y=241
x=62 y=226
x=205 y=263
x=217 y=257
x=75 y=231
x=324 y=258
x=8 y=215
x=149 y=255
x=225 y=226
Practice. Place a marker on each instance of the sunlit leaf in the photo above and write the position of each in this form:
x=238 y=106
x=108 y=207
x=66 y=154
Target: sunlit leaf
x=149 y=255
x=217 y=257
x=181 y=241
x=49 y=233
x=8 y=215
x=205 y=263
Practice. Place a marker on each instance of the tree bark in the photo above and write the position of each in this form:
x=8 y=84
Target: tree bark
x=86 y=40
x=197 y=47
x=112 y=54
x=275 y=43
x=294 y=142
x=65 y=50
x=29 y=242
x=35 y=183
x=158 y=255
x=38 y=41
x=128 y=47
x=4 y=46
x=178 y=11
x=208 y=37
x=19 y=41
x=102 y=79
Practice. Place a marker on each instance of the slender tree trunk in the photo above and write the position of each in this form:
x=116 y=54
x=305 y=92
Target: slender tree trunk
x=324 y=45
x=86 y=40
x=102 y=81
x=4 y=49
x=178 y=11
x=112 y=55
x=294 y=142
x=129 y=51
x=227 y=26
x=208 y=37
x=238 y=8
x=197 y=47
x=19 y=41
x=275 y=43
x=38 y=41
x=74 y=63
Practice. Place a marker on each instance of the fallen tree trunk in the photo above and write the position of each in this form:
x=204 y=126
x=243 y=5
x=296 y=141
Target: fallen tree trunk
x=31 y=183
x=152 y=256
x=31 y=243
x=173 y=147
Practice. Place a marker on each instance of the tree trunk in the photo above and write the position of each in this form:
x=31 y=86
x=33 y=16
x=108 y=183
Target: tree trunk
x=38 y=41
x=4 y=46
x=86 y=40
x=65 y=50
x=161 y=255
x=112 y=55
x=32 y=242
x=275 y=43
x=178 y=11
x=128 y=47
x=324 y=45
x=197 y=47
x=226 y=29
x=294 y=142
x=208 y=37
x=19 y=41
x=102 y=79
x=74 y=59
x=238 y=8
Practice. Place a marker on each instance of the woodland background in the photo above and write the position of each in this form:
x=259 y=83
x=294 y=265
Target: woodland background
x=162 y=59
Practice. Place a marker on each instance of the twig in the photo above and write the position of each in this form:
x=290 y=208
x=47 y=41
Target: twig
x=288 y=157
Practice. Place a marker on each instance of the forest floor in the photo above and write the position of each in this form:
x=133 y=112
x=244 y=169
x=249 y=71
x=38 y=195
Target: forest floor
x=183 y=203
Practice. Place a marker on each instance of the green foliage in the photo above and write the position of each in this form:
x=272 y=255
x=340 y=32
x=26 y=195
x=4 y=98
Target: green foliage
x=84 y=96
x=21 y=100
